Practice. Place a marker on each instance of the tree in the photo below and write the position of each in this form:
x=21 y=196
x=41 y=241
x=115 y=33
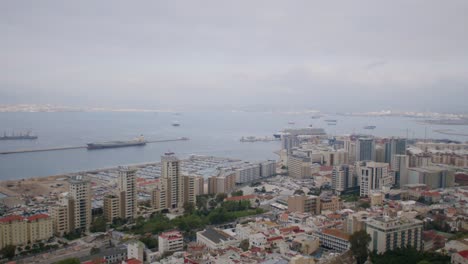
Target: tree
x=189 y=208
x=220 y=197
x=237 y=193
x=9 y=251
x=359 y=242
x=98 y=225
x=244 y=244
x=263 y=189
x=69 y=261
x=299 y=192
x=364 y=205
x=150 y=242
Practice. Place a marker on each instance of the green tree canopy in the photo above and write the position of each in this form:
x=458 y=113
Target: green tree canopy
x=98 y=225
x=359 y=242
x=244 y=244
x=9 y=251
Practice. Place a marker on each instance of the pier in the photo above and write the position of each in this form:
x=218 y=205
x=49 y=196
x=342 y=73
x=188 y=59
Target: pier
x=79 y=147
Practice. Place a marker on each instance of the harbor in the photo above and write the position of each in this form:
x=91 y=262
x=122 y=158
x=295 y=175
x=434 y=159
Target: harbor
x=79 y=147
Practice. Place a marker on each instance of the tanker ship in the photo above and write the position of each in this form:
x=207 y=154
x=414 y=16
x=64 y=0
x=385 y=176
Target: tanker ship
x=140 y=141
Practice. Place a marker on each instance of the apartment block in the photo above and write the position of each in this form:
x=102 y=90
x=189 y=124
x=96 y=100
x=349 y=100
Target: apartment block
x=170 y=242
x=389 y=233
x=111 y=207
x=80 y=206
x=299 y=167
x=304 y=204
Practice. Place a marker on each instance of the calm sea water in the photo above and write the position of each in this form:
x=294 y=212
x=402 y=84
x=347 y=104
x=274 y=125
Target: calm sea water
x=214 y=133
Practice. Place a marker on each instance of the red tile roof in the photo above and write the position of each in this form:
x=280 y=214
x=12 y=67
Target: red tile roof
x=36 y=217
x=10 y=218
x=464 y=254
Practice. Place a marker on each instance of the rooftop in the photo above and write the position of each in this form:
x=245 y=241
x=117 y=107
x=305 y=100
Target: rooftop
x=215 y=235
x=336 y=233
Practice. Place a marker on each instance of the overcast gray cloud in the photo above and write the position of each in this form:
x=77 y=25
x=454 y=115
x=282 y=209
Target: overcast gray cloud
x=330 y=54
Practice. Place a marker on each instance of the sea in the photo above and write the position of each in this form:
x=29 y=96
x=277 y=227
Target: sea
x=209 y=133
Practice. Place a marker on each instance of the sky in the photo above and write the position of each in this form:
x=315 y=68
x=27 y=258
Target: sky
x=326 y=55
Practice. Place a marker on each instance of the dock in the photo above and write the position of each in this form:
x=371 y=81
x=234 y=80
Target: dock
x=78 y=147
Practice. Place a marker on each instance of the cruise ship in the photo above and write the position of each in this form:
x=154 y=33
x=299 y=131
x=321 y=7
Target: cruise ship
x=140 y=141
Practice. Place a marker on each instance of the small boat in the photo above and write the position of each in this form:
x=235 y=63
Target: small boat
x=332 y=124
x=291 y=123
x=330 y=120
x=369 y=127
x=176 y=123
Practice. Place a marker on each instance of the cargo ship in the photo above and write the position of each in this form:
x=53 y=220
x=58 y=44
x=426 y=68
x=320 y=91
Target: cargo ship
x=19 y=136
x=140 y=141
x=369 y=127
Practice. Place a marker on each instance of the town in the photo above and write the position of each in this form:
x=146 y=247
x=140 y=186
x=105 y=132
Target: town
x=341 y=199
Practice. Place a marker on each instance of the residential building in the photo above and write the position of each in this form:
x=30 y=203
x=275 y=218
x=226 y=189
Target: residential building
x=376 y=198
x=289 y=141
x=350 y=148
x=13 y=231
x=365 y=149
x=193 y=186
x=128 y=192
x=158 y=199
x=136 y=250
x=395 y=146
x=80 y=195
x=304 y=204
x=39 y=227
x=299 y=167
x=248 y=172
x=267 y=168
x=61 y=216
x=334 y=239
x=373 y=176
x=343 y=178
x=400 y=167
x=332 y=203
x=222 y=183
x=111 y=207
x=172 y=182
x=432 y=176
x=355 y=222
x=389 y=233
x=18 y=230
x=170 y=242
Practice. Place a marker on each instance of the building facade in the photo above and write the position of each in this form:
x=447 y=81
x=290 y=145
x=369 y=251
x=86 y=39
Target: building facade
x=365 y=149
x=111 y=207
x=390 y=233
x=299 y=167
x=304 y=204
x=170 y=242
x=373 y=176
x=80 y=211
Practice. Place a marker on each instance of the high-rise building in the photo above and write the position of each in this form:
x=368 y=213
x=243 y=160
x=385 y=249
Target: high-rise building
x=193 y=186
x=304 y=204
x=350 y=148
x=222 y=183
x=127 y=180
x=289 y=141
x=171 y=182
x=299 y=166
x=365 y=149
x=248 y=172
x=60 y=221
x=373 y=176
x=379 y=153
x=80 y=209
x=391 y=233
x=395 y=146
x=111 y=207
x=400 y=167
x=343 y=178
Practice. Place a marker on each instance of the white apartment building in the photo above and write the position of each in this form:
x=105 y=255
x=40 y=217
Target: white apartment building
x=390 y=233
x=373 y=176
x=343 y=177
x=335 y=239
x=170 y=242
